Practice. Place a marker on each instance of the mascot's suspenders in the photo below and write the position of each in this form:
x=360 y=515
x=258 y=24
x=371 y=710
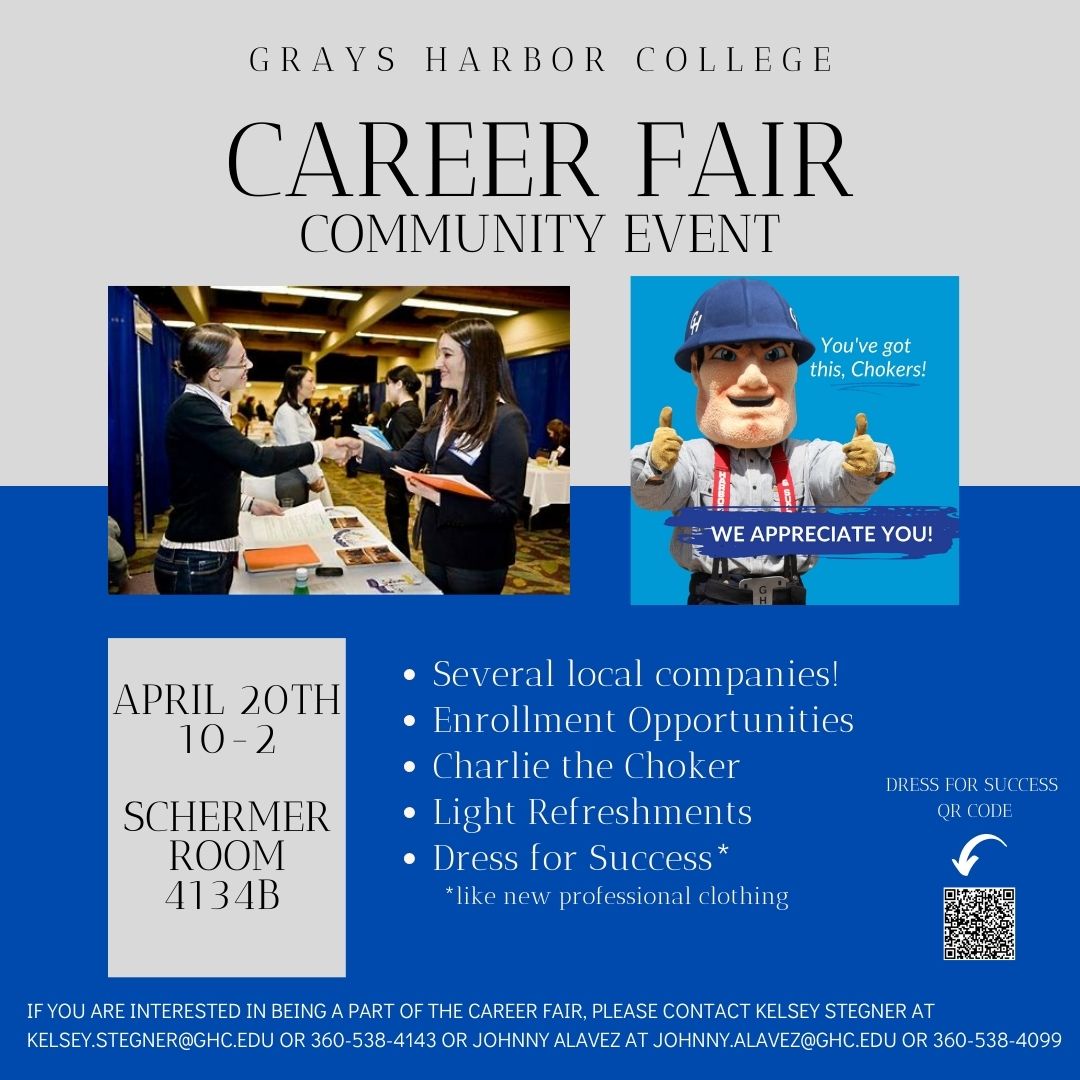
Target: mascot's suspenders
x=761 y=587
x=785 y=487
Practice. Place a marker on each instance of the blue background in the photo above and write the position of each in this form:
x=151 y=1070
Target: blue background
x=919 y=421
x=978 y=689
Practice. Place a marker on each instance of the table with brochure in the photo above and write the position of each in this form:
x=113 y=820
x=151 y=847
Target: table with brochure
x=337 y=536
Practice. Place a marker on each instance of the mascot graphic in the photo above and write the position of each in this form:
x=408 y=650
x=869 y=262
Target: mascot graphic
x=743 y=347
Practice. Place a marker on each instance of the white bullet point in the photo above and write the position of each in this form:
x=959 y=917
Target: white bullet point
x=409 y=812
x=409 y=766
x=409 y=674
x=410 y=858
x=409 y=721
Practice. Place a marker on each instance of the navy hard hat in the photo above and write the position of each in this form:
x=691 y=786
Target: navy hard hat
x=742 y=309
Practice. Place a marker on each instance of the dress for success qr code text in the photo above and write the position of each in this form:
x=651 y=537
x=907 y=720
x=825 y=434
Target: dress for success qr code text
x=980 y=924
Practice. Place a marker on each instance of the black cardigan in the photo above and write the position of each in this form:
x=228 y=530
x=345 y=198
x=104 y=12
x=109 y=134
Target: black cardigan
x=206 y=456
x=403 y=422
x=472 y=534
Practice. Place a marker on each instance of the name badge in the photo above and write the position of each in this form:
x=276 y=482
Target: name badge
x=468 y=456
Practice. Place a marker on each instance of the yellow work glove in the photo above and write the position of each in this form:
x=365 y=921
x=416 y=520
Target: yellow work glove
x=860 y=455
x=664 y=450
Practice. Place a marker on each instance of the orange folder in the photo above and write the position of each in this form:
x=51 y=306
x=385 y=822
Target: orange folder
x=446 y=482
x=259 y=560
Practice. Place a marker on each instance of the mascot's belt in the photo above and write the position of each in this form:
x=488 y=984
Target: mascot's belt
x=762 y=589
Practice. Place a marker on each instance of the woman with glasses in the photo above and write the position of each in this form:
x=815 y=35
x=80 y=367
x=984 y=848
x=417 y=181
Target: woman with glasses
x=477 y=431
x=206 y=457
x=292 y=425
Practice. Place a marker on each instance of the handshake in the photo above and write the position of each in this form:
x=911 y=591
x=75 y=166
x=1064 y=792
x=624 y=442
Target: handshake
x=341 y=449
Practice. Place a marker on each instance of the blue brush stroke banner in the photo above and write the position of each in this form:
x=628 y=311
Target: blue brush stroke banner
x=913 y=532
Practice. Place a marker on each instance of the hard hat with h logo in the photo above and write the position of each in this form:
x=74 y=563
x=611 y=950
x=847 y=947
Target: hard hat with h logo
x=742 y=309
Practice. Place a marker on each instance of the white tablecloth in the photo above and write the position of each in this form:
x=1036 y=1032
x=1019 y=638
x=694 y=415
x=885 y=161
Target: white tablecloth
x=544 y=486
x=262 y=432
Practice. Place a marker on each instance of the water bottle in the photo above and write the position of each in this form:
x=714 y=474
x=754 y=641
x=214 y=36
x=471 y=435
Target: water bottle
x=300 y=585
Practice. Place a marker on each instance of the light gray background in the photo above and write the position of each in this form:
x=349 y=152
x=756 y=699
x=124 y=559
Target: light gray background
x=305 y=935
x=957 y=147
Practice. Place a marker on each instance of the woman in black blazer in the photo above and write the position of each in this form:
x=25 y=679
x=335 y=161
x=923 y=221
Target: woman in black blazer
x=402 y=386
x=476 y=430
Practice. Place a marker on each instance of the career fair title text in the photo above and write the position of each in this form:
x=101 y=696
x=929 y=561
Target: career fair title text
x=547 y=162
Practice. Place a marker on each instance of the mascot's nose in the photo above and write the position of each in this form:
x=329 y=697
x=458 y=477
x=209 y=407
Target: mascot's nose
x=752 y=376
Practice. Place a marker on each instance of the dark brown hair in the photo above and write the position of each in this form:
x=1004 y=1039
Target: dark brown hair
x=202 y=348
x=559 y=431
x=407 y=377
x=487 y=379
x=290 y=386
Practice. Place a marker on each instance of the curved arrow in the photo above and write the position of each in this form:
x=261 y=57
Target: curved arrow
x=967 y=860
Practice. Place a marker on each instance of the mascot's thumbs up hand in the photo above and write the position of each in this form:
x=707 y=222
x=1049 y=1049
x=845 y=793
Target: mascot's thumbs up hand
x=664 y=450
x=860 y=455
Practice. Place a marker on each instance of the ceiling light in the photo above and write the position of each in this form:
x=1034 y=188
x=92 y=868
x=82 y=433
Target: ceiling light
x=183 y=324
x=450 y=305
x=396 y=337
x=294 y=290
x=275 y=329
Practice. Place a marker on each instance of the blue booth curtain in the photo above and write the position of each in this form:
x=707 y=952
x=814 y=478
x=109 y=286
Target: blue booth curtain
x=159 y=387
x=542 y=384
x=123 y=415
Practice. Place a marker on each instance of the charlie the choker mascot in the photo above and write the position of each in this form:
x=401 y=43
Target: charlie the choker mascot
x=743 y=347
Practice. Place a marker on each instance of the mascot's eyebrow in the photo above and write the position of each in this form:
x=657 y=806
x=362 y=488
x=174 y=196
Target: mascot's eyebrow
x=736 y=345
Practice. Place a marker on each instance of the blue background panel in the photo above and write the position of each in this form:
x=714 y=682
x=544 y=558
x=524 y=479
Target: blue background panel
x=960 y=690
x=917 y=415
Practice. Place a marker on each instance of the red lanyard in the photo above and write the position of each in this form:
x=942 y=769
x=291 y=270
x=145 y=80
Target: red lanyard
x=785 y=488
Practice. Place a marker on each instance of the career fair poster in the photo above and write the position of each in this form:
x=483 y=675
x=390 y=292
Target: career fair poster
x=805 y=267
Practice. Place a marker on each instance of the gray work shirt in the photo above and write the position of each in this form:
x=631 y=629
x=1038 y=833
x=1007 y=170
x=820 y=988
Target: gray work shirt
x=816 y=470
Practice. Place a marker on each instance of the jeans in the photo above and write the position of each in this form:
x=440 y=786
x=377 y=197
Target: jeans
x=456 y=579
x=178 y=571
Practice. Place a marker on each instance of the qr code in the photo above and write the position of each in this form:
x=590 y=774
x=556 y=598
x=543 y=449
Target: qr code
x=980 y=924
